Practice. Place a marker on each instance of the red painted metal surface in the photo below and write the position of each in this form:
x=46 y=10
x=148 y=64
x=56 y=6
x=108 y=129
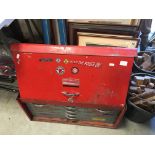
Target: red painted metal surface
x=73 y=75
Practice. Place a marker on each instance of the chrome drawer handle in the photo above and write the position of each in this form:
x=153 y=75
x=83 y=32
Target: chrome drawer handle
x=70 y=94
x=39 y=105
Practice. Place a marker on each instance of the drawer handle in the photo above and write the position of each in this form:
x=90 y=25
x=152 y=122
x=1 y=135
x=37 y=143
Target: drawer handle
x=39 y=105
x=70 y=94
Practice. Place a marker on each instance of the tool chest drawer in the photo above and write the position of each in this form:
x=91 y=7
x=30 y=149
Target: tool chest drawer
x=73 y=115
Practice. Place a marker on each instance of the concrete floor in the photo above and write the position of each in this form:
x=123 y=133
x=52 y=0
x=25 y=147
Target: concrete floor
x=13 y=121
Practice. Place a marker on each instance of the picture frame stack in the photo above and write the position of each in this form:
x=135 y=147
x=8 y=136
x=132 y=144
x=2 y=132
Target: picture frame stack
x=107 y=32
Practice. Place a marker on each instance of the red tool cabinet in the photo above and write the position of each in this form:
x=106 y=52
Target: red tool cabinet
x=73 y=76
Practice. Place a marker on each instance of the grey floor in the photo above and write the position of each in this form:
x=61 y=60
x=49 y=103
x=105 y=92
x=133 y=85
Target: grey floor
x=14 y=121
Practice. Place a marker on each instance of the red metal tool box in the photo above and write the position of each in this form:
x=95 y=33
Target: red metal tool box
x=73 y=76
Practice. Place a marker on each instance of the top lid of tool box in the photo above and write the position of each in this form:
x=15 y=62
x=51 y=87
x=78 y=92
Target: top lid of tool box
x=73 y=75
x=74 y=50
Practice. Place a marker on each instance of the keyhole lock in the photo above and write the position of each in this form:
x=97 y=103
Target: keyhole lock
x=71 y=99
x=70 y=96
